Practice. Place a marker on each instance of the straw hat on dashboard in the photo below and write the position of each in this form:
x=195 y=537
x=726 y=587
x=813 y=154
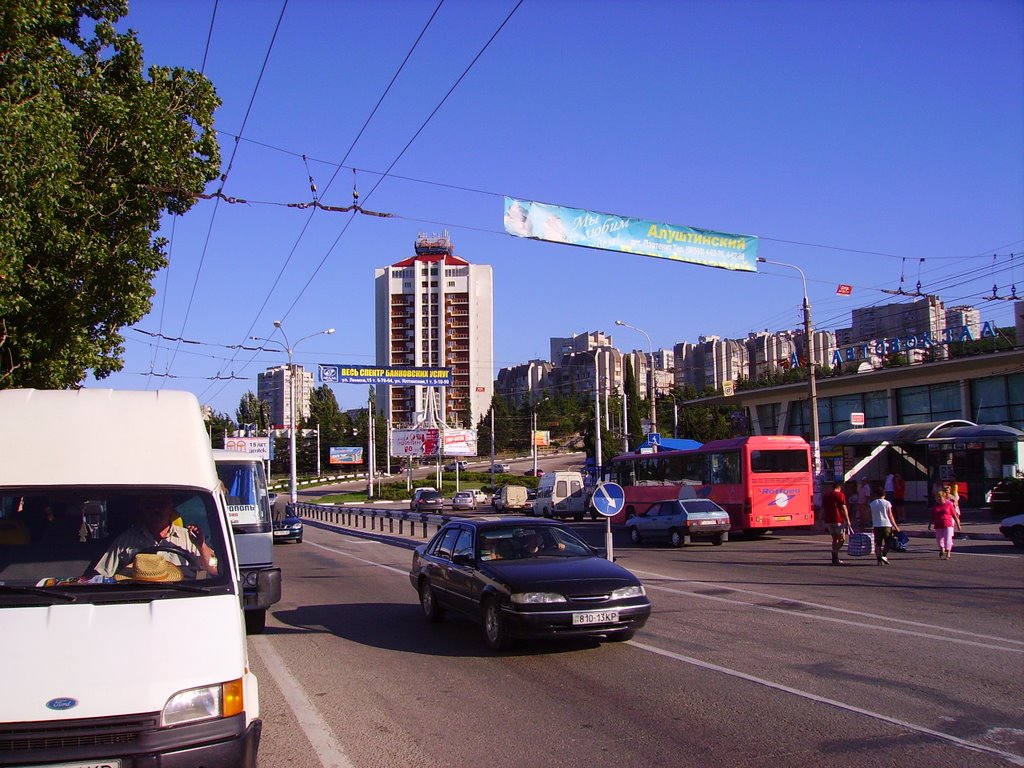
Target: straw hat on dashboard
x=150 y=567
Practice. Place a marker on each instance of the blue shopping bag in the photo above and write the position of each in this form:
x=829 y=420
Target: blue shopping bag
x=861 y=544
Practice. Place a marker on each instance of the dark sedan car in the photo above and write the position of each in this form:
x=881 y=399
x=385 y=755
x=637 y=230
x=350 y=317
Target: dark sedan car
x=533 y=580
x=288 y=528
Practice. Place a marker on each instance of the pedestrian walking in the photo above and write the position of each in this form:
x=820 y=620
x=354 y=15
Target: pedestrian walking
x=837 y=519
x=883 y=524
x=944 y=520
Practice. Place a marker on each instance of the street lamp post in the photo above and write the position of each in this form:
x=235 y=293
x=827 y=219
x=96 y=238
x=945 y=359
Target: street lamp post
x=289 y=349
x=650 y=374
x=812 y=387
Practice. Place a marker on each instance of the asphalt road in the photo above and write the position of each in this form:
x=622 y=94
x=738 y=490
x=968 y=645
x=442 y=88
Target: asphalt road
x=757 y=653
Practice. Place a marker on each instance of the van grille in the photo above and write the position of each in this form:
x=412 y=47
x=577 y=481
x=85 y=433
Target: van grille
x=23 y=737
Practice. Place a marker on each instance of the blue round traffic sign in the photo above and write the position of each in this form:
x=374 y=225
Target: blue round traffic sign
x=608 y=499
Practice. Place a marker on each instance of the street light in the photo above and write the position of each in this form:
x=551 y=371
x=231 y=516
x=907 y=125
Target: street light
x=289 y=349
x=650 y=374
x=812 y=387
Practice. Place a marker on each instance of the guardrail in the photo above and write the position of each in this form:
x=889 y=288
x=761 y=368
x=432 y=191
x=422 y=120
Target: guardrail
x=368 y=518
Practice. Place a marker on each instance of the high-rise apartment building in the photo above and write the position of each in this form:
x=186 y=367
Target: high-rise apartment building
x=436 y=310
x=274 y=386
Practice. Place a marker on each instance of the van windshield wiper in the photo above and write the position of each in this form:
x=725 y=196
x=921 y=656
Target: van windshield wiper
x=176 y=585
x=50 y=592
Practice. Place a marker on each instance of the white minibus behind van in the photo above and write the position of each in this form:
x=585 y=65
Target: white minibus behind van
x=562 y=494
x=245 y=486
x=121 y=629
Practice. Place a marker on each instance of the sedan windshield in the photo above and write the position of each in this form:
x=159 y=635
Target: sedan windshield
x=524 y=542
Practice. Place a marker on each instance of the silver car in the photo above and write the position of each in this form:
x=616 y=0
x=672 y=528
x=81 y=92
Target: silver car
x=464 y=500
x=680 y=520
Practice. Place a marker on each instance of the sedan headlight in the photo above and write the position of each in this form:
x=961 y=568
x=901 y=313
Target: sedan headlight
x=205 y=703
x=535 y=598
x=624 y=592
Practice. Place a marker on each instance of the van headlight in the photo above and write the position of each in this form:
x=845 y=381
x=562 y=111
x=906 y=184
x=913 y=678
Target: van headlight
x=624 y=592
x=206 y=703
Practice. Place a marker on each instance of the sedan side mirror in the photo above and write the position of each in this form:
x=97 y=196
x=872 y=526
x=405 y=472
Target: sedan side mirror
x=464 y=560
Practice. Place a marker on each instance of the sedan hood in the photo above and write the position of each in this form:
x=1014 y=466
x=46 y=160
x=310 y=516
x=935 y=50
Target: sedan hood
x=565 y=575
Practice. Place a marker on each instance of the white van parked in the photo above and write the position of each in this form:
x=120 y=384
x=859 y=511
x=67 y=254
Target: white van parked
x=562 y=494
x=245 y=486
x=121 y=629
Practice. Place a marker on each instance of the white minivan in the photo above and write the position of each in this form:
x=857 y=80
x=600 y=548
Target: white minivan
x=562 y=494
x=121 y=629
x=245 y=486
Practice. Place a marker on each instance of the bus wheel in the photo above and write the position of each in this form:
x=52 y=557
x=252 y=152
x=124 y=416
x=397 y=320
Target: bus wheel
x=756 y=533
x=675 y=538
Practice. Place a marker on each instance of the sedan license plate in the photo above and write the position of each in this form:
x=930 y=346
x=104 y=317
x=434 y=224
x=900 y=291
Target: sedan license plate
x=595 y=617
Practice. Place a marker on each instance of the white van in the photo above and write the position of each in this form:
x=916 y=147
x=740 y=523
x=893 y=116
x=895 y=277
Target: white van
x=117 y=652
x=562 y=494
x=245 y=486
x=509 y=497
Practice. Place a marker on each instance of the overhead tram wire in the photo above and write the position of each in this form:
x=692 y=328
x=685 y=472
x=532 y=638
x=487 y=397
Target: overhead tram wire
x=405 y=149
x=330 y=182
x=170 y=240
x=408 y=144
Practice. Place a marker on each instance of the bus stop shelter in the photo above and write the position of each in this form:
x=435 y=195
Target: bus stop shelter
x=974 y=456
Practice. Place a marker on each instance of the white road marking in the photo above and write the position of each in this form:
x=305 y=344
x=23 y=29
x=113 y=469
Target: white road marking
x=327 y=748
x=1010 y=757
x=977 y=639
x=361 y=559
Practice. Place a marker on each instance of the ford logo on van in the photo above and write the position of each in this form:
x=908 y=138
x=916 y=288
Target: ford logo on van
x=61 y=703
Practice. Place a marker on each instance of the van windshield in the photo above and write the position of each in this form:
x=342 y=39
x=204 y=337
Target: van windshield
x=109 y=539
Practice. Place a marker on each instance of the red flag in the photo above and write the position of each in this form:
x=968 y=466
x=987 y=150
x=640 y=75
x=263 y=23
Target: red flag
x=844 y=289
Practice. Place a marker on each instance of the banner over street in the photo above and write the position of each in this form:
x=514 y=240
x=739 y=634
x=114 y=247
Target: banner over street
x=609 y=232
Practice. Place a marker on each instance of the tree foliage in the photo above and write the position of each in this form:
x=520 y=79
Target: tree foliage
x=252 y=410
x=92 y=152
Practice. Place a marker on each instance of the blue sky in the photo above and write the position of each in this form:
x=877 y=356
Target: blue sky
x=856 y=139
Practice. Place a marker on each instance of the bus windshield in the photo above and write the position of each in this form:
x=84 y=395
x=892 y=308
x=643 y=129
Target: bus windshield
x=245 y=486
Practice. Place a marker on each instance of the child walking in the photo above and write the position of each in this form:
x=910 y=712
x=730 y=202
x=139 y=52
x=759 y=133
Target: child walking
x=945 y=520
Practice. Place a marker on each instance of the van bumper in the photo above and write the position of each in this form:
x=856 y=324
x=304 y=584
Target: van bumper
x=226 y=743
x=261 y=588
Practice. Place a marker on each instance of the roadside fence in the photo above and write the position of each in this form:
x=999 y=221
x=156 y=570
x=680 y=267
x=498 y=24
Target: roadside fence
x=389 y=521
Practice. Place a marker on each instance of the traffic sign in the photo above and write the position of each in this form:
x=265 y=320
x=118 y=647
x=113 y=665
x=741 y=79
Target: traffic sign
x=609 y=499
x=654 y=438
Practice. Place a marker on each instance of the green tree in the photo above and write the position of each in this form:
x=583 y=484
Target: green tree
x=92 y=152
x=219 y=424
x=252 y=410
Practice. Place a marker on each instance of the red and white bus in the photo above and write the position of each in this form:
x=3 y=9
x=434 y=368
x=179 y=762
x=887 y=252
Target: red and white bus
x=763 y=482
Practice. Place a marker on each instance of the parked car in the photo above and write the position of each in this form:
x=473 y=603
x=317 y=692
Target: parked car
x=451 y=466
x=679 y=521
x=535 y=580
x=1007 y=497
x=435 y=500
x=481 y=497
x=288 y=529
x=1013 y=529
x=464 y=500
x=534 y=473
x=502 y=468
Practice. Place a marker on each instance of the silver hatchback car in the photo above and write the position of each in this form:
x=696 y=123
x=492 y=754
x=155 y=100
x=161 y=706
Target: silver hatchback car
x=680 y=520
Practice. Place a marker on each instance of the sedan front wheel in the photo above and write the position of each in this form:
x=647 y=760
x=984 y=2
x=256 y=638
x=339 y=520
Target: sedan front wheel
x=496 y=633
x=634 y=535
